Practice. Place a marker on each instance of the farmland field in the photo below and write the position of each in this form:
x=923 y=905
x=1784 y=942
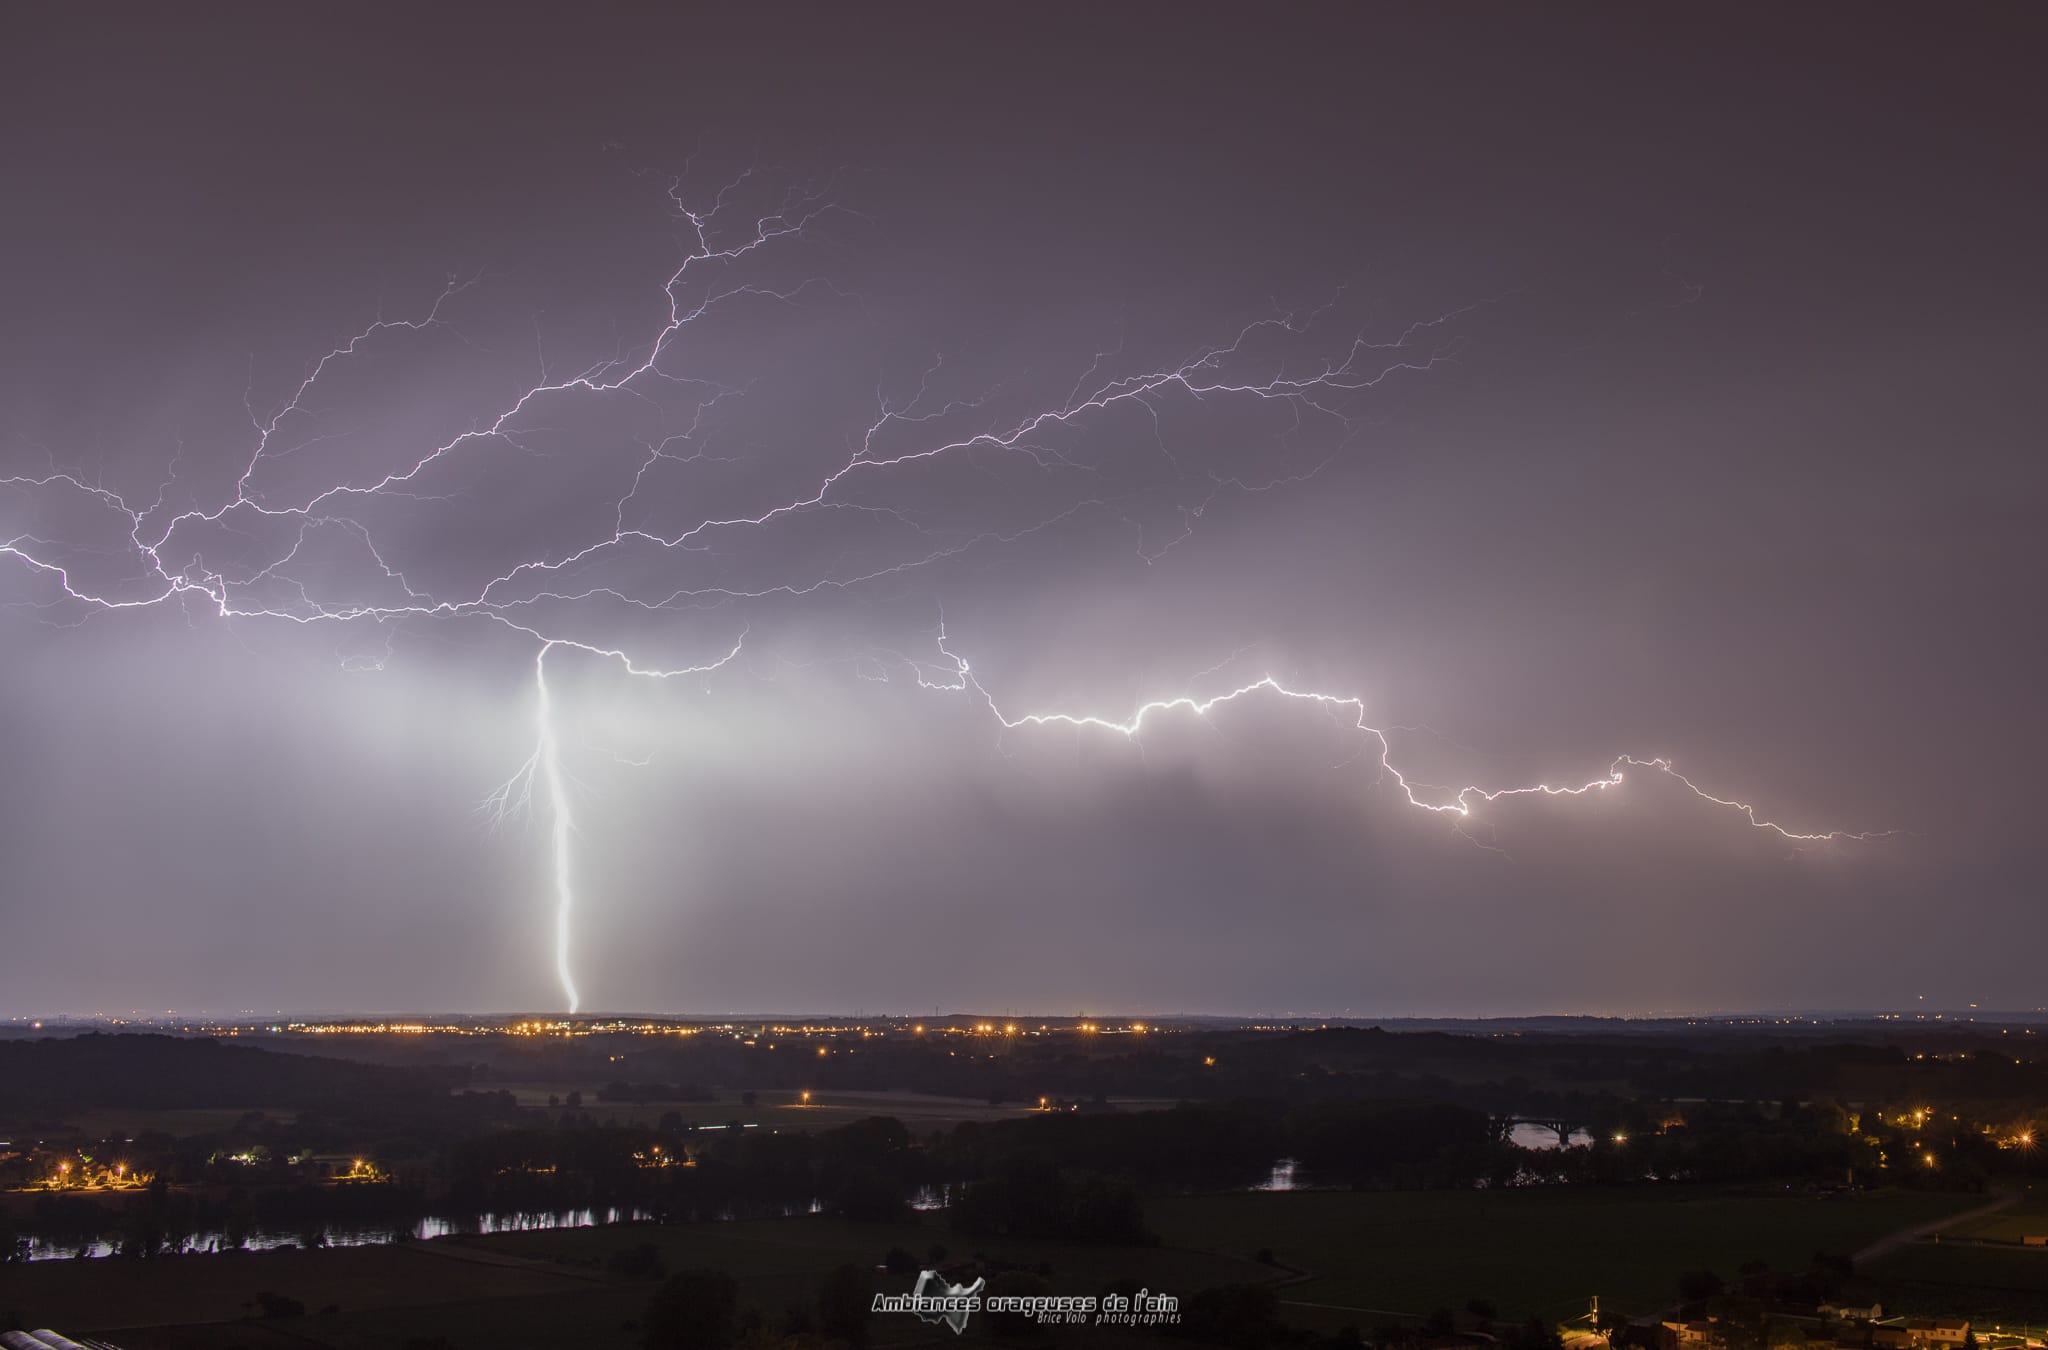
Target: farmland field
x=1538 y=1251
x=1363 y=1257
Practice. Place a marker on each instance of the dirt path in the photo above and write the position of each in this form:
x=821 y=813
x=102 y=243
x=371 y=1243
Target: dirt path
x=1891 y=1242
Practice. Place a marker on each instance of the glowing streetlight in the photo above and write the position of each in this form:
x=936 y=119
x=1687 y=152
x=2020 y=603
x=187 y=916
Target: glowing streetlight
x=805 y=1097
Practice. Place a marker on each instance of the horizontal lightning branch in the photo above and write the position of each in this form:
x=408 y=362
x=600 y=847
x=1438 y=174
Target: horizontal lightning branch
x=1454 y=801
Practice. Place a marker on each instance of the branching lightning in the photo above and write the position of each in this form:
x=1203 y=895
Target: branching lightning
x=1453 y=801
x=159 y=554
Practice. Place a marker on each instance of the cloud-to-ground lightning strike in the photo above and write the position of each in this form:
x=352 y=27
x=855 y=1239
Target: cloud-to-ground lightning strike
x=1260 y=366
x=561 y=824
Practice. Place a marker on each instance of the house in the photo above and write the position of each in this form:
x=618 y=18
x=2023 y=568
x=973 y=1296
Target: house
x=1942 y=1333
x=1849 y=1312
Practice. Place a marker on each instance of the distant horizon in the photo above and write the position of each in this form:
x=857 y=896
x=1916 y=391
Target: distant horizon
x=1925 y=1013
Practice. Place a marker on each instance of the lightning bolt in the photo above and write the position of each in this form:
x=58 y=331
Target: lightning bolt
x=562 y=825
x=1455 y=801
x=1301 y=367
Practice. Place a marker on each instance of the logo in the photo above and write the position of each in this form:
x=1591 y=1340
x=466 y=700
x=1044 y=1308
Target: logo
x=937 y=1300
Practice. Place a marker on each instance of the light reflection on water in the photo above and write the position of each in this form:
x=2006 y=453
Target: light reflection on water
x=1528 y=1134
x=1281 y=1179
x=378 y=1235
x=367 y=1235
x=1284 y=1176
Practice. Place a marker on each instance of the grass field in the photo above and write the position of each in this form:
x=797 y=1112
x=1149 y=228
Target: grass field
x=100 y=1295
x=1979 y=1267
x=1991 y=1284
x=775 y=1248
x=533 y=1290
x=2029 y=1216
x=1540 y=1251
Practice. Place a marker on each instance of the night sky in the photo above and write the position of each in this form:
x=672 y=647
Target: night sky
x=1561 y=382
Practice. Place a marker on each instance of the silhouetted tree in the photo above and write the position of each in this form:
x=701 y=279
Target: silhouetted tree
x=844 y=1304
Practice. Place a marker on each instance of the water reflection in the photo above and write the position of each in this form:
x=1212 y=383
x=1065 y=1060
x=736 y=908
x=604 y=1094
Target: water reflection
x=1280 y=1179
x=1528 y=1134
x=365 y=1235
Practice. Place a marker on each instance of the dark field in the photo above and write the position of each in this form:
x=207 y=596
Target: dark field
x=1365 y=1256
x=1133 y=1177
